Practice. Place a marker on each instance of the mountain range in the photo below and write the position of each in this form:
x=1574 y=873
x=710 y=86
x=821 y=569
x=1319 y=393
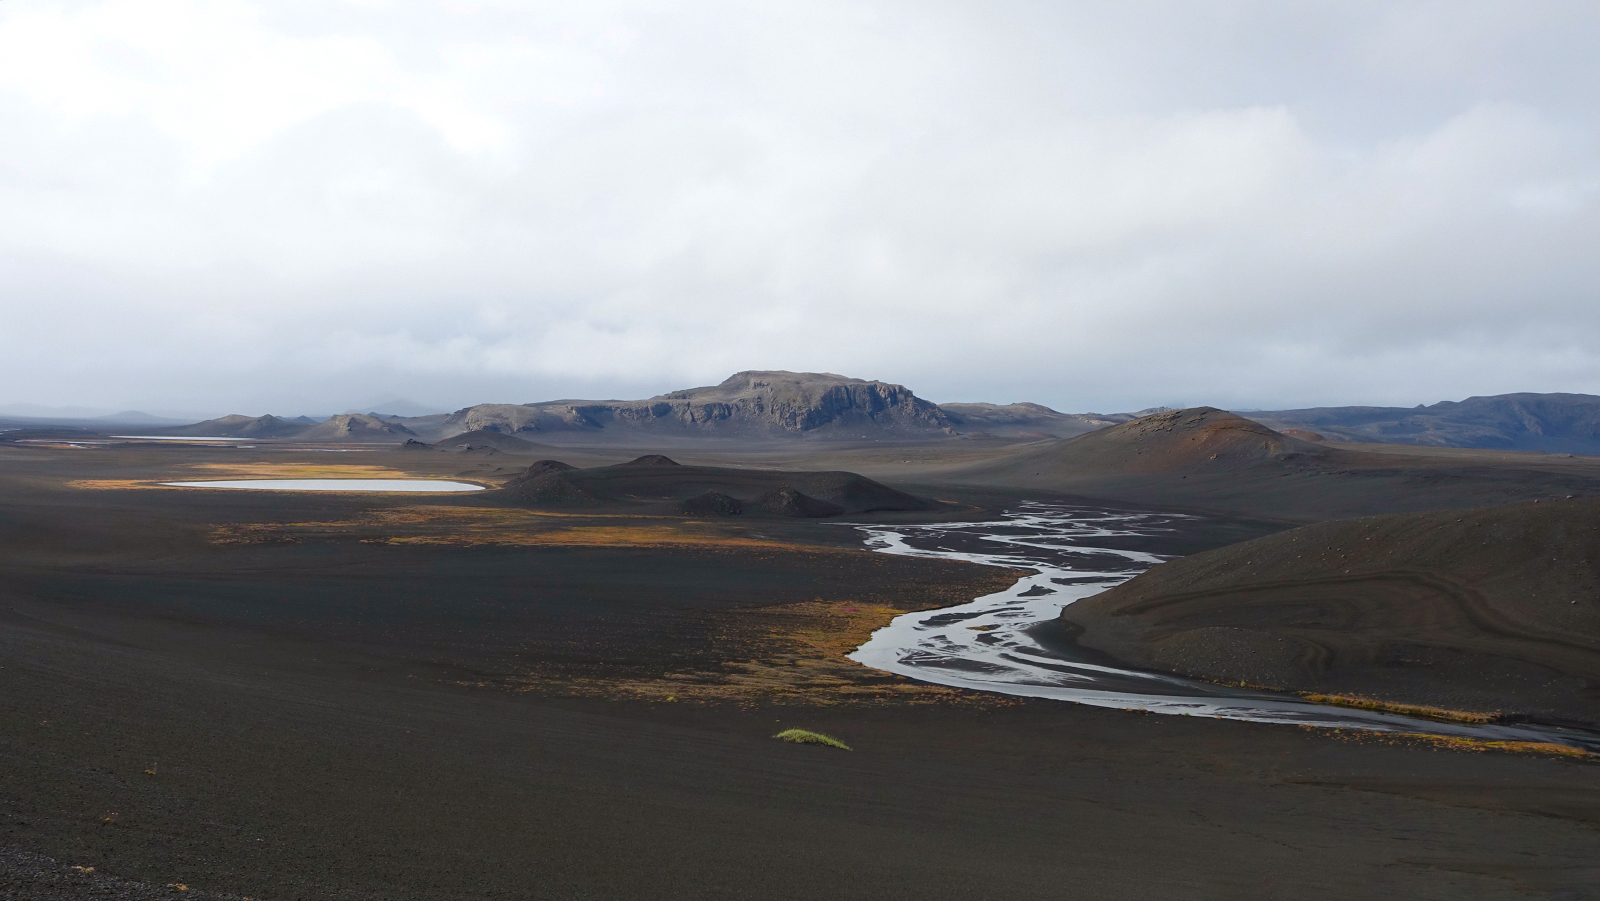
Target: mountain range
x=778 y=406
x=1553 y=423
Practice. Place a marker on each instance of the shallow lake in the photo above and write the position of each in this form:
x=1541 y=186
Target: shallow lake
x=334 y=485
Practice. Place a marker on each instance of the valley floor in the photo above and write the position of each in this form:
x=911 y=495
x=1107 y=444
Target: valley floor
x=344 y=697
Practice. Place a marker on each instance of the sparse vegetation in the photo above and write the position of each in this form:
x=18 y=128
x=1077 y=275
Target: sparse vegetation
x=1521 y=747
x=1433 y=713
x=806 y=737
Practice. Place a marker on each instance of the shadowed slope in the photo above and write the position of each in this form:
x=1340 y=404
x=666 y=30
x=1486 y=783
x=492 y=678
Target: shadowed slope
x=1490 y=608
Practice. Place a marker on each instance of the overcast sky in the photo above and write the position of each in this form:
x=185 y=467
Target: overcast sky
x=298 y=205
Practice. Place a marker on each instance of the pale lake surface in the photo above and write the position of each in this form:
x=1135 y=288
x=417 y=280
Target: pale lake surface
x=334 y=485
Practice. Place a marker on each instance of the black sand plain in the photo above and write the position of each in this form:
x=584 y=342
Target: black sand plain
x=360 y=696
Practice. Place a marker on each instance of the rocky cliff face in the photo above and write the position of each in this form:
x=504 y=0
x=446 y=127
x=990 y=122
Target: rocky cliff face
x=749 y=404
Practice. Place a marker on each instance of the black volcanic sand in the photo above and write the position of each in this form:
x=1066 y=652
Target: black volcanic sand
x=285 y=720
x=1492 y=608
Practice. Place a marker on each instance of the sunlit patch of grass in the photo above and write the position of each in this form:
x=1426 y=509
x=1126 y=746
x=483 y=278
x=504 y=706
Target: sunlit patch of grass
x=598 y=536
x=468 y=526
x=1518 y=747
x=1418 y=710
x=807 y=737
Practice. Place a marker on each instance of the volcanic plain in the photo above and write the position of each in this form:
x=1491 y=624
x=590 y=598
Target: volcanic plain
x=530 y=693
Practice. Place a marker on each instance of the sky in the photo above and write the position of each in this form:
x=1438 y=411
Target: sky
x=299 y=205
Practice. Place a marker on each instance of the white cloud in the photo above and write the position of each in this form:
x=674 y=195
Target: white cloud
x=231 y=203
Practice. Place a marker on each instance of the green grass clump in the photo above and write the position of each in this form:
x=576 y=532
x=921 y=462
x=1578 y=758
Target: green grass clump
x=804 y=737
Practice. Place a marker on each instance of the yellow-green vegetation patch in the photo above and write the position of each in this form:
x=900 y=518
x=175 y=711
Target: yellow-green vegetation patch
x=1436 y=713
x=1517 y=747
x=807 y=737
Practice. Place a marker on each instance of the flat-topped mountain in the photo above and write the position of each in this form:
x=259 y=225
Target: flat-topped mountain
x=747 y=405
x=1555 y=423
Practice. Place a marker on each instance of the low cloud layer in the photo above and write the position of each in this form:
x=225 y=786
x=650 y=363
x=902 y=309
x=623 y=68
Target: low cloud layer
x=222 y=205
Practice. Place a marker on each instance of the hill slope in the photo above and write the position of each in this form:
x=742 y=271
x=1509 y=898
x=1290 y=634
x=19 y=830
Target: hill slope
x=1489 y=608
x=1208 y=459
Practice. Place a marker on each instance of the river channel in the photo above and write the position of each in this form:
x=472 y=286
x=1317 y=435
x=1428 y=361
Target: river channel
x=1006 y=642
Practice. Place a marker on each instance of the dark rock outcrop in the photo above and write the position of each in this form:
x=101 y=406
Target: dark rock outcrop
x=788 y=502
x=712 y=503
x=653 y=460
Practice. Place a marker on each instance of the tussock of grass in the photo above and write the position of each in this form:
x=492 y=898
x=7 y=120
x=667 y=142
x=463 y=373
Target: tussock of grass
x=805 y=737
x=1435 y=713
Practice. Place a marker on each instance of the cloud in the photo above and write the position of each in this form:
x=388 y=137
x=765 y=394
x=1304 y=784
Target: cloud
x=252 y=206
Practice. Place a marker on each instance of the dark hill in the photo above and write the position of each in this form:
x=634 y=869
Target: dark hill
x=483 y=438
x=1487 y=609
x=649 y=485
x=1554 y=423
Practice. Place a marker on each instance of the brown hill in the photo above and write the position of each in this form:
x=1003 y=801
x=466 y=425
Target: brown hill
x=1208 y=459
x=656 y=484
x=1494 y=608
x=1202 y=438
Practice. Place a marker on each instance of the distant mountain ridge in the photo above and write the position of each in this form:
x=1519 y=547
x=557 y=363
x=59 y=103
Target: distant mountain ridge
x=343 y=427
x=779 y=405
x=1553 y=423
